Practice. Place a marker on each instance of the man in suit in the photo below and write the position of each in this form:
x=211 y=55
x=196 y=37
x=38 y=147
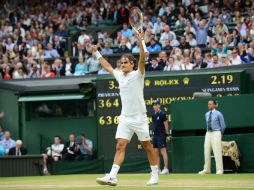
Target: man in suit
x=70 y=149
x=215 y=128
x=18 y=150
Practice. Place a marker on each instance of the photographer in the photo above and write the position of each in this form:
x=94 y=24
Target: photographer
x=85 y=148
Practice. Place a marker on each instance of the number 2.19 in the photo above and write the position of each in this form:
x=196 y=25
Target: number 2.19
x=223 y=79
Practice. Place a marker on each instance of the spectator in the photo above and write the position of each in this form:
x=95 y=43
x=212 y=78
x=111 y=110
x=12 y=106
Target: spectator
x=83 y=36
x=69 y=67
x=158 y=26
x=191 y=39
x=199 y=63
x=81 y=68
x=7 y=142
x=167 y=35
x=122 y=15
x=85 y=149
x=58 y=68
x=187 y=65
x=126 y=32
x=34 y=72
x=123 y=47
x=102 y=71
x=235 y=58
x=162 y=58
x=155 y=66
x=154 y=46
x=225 y=17
x=18 y=150
x=93 y=64
x=225 y=61
x=202 y=30
x=70 y=149
x=48 y=73
x=51 y=52
x=184 y=44
x=220 y=49
x=79 y=50
x=171 y=66
x=107 y=50
x=54 y=153
x=215 y=62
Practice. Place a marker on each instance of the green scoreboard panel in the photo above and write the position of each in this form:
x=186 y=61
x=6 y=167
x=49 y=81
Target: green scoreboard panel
x=166 y=88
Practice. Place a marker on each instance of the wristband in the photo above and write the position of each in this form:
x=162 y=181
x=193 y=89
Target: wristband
x=97 y=54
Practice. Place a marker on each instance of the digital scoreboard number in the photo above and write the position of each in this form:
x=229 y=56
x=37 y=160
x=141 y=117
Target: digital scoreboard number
x=166 y=88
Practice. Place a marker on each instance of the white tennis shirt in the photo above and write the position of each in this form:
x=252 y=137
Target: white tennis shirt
x=131 y=92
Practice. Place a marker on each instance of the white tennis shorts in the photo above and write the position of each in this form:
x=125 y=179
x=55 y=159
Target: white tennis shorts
x=128 y=125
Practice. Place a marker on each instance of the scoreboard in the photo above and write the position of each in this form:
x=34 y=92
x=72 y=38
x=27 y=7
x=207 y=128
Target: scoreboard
x=165 y=87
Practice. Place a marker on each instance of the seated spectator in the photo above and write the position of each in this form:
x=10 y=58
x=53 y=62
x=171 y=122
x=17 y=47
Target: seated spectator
x=21 y=73
x=81 y=68
x=34 y=72
x=123 y=47
x=69 y=67
x=215 y=62
x=85 y=149
x=83 y=36
x=155 y=66
x=162 y=58
x=7 y=142
x=247 y=55
x=167 y=35
x=225 y=61
x=93 y=64
x=126 y=32
x=18 y=150
x=1 y=133
x=107 y=50
x=102 y=71
x=158 y=26
x=171 y=66
x=54 y=153
x=235 y=58
x=58 y=68
x=220 y=49
x=154 y=46
x=51 y=52
x=187 y=65
x=48 y=72
x=70 y=149
x=79 y=51
x=136 y=49
x=199 y=63
x=184 y=44
x=191 y=39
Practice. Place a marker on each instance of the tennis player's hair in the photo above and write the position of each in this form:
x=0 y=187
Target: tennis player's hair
x=132 y=60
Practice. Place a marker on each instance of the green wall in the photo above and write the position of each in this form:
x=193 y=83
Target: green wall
x=237 y=111
x=40 y=132
x=9 y=105
x=189 y=129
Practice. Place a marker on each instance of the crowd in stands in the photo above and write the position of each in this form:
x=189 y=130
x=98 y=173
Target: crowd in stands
x=186 y=35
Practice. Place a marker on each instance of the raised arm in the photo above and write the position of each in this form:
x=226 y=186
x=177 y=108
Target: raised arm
x=104 y=63
x=141 y=64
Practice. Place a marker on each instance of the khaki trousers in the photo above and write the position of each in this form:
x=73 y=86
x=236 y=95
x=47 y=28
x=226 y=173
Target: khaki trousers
x=213 y=142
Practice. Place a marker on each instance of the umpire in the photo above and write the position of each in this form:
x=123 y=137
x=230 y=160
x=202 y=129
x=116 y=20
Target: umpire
x=160 y=135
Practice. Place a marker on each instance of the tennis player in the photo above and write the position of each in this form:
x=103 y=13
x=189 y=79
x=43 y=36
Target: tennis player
x=133 y=118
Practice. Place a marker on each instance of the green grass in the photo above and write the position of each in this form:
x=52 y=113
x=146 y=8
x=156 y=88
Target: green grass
x=131 y=182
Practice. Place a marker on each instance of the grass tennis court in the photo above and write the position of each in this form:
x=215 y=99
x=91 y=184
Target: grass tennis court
x=131 y=181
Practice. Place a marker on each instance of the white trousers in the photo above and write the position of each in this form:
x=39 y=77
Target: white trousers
x=213 y=142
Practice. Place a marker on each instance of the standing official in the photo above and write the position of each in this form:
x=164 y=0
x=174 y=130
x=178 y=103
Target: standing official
x=160 y=134
x=215 y=128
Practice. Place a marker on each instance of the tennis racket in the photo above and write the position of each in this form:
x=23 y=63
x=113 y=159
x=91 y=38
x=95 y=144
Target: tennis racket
x=136 y=22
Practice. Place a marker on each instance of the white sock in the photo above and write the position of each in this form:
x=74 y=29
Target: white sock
x=154 y=169
x=114 y=170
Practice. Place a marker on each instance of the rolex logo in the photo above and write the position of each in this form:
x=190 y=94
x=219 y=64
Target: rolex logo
x=147 y=83
x=186 y=81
